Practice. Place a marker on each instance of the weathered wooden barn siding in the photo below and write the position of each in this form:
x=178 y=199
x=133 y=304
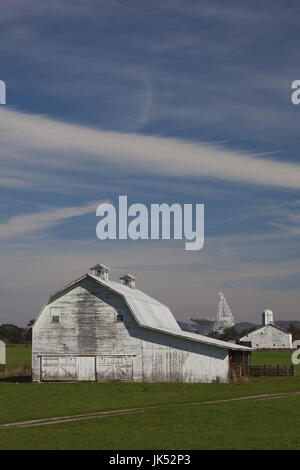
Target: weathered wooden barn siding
x=90 y=344
x=169 y=358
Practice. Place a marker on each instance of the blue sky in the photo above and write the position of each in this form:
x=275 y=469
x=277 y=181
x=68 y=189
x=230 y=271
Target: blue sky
x=173 y=101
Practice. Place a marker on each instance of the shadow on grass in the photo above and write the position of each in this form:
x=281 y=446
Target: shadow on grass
x=16 y=379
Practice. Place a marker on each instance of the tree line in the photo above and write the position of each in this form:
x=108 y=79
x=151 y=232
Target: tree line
x=13 y=334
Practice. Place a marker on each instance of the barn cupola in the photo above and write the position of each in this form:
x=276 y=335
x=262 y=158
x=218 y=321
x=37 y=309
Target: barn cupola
x=267 y=317
x=101 y=271
x=128 y=280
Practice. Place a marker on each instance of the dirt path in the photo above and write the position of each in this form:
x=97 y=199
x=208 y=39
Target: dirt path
x=104 y=414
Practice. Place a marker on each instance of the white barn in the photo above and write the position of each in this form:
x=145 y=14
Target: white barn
x=268 y=336
x=2 y=353
x=99 y=330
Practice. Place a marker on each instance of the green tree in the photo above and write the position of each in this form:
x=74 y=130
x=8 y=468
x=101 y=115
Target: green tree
x=11 y=334
x=294 y=331
x=28 y=331
x=229 y=334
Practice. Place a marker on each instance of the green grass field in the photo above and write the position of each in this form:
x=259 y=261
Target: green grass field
x=18 y=356
x=272 y=358
x=272 y=424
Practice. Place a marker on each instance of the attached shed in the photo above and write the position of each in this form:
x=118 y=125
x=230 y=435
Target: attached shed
x=100 y=330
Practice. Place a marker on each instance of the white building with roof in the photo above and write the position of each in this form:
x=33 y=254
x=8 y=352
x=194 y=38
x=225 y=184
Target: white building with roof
x=99 y=330
x=268 y=336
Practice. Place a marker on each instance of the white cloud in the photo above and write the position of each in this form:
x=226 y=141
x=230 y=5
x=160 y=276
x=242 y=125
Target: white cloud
x=21 y=225
x=151 y=155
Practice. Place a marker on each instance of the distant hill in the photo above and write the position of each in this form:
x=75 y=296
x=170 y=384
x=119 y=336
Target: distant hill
x=285 y=324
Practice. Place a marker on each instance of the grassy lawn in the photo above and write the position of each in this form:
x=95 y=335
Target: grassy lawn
x=270 y=424
x=18 y=356
x=273 y=358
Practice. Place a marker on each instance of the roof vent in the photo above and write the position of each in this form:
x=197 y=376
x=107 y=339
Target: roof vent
x=101 y=271
x=128 y=280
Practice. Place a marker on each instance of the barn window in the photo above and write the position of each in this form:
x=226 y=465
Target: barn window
x=55 y=314
x=119 y=318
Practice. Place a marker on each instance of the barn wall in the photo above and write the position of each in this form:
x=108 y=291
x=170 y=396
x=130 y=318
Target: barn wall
x=270 y=338
x=169 y=358
x=120 y=350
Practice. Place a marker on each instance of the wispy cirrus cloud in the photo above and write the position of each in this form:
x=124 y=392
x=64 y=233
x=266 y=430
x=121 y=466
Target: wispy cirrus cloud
x=25 y=224
x=148 y=154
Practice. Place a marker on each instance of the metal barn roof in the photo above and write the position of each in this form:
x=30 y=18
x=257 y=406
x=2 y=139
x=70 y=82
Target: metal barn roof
x=147 y=311
x=151 y=314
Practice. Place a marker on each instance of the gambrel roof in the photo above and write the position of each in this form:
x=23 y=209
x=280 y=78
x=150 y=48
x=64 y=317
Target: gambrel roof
x=146 y=310
x=149 y=313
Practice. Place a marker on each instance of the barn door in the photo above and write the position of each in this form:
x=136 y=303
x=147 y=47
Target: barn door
x=58 y=368
x=85 y=368
x=123 y=368
x=68 y=368
x=114 y=368
x=49 y=368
